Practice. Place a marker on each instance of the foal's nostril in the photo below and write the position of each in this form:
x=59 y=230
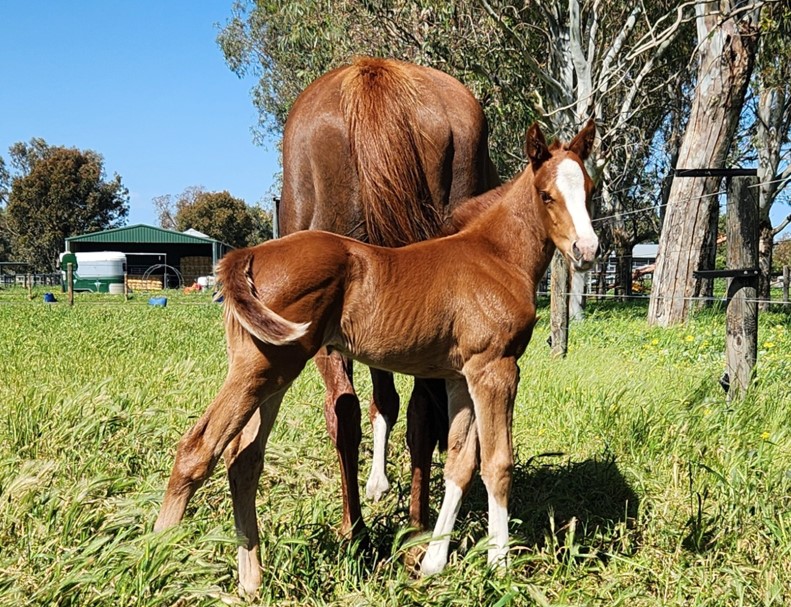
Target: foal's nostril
x=575 y=250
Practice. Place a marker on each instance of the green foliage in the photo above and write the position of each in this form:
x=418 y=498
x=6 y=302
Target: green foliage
x=288 y=44
x=639 y=488
x=782 y=254
x=58 y=192
x=263 y=228
x=219 y=215
x=774 y=57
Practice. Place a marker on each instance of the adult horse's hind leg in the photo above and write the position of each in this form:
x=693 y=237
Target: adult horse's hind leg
x=244 y=458
x=459 y=469
x=427 y=426
x=383 y=414
x=342 y=414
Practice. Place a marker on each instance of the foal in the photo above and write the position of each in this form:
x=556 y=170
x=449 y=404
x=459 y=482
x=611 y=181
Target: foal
x=460 y=308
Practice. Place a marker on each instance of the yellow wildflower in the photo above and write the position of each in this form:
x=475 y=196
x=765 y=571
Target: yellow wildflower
x=764 y=436
x=689 y=338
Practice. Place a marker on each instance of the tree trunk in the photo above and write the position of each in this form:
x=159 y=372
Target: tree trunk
x=704 y=287
x=725 y=62
x=577 y=295
x=765 y=242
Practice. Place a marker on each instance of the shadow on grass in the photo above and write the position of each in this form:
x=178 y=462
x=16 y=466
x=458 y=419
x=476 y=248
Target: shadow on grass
x=575 y=510
x=584 y=508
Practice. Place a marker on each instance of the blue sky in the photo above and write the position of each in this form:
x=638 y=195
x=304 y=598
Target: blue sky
x=143 y=83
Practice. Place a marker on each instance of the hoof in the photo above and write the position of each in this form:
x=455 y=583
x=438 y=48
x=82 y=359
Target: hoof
x=434 y=562
x=376 y=487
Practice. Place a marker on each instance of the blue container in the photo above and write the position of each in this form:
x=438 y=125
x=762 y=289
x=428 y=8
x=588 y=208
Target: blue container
x=49 y=298
x=159 y=302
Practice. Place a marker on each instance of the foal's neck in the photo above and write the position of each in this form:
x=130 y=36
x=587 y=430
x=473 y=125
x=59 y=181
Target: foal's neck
x=515 y=226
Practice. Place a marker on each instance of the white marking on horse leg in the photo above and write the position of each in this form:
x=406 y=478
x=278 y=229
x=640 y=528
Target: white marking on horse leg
x=498 y=533
x=437 y=554
x=249 y=571
x=378 y=484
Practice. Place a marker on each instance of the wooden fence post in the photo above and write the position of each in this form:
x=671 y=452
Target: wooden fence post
x=786 y=278
x=741 y=322
x=559 y=305
x=70 y=282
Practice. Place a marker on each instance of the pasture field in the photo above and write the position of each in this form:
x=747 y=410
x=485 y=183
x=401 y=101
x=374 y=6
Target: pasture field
x=636 y=482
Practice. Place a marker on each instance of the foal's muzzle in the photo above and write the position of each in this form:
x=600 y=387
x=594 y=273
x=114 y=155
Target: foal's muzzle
x=584 y=252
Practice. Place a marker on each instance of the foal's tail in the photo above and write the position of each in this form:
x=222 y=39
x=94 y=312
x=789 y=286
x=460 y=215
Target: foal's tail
x=380 y=100
x=235 y=272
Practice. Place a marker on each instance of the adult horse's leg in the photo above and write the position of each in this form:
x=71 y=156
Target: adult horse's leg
x=459 y=470
x=427 y=425
x=383 y=413
x=342 y=414
x=244 y=458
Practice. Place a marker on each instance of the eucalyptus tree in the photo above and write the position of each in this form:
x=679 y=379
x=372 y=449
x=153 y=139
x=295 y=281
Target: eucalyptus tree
x=727 y=37
x=621 y=63
x=772 y=132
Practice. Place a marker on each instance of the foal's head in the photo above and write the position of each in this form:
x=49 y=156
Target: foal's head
x=562 y=190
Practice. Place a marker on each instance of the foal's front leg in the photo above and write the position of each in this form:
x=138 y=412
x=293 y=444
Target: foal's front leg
x=493 y=389
x=201 y=447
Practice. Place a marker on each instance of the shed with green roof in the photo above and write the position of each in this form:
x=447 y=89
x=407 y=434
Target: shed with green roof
x=155 y=255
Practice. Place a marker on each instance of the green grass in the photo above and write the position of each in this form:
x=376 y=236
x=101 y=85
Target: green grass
x=636 y=482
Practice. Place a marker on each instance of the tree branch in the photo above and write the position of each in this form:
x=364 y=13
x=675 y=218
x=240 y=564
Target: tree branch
x=536 y=69
x=781 y=226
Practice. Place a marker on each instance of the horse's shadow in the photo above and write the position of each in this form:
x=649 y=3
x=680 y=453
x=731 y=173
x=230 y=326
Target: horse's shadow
x=576 y=508
x=583 y=509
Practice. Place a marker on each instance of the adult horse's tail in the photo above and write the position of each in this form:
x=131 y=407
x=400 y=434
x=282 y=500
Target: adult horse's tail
x=380 y=101
x=235 y=272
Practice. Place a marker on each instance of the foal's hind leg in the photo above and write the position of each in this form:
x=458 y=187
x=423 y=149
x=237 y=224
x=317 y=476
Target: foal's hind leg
x=244 y=458
x=342 y=414
x=383 y=413
x=249 y=382
x=493 y=388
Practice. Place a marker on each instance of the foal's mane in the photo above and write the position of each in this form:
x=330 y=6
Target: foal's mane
x=472 y=208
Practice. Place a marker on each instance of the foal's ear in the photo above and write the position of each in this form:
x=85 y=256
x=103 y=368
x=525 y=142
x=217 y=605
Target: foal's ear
x=582 y=144
x=536 y=146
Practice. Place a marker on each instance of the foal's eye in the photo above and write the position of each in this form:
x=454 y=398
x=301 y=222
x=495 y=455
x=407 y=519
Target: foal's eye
x=546 y=197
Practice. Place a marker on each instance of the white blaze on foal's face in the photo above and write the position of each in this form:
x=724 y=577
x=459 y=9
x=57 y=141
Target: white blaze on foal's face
x=570 y=182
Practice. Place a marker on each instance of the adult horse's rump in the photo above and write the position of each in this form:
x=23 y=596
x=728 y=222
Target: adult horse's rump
x=380 y=150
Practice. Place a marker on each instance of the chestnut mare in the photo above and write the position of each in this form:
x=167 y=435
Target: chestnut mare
x=459 y=308
x=379 y=150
